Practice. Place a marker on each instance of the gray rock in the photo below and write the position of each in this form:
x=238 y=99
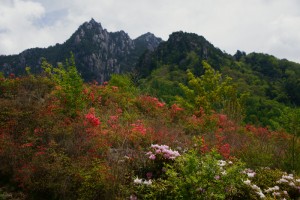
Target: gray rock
x=98 y=53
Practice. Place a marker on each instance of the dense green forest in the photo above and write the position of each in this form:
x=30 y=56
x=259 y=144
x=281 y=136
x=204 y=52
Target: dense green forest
x=183 y=128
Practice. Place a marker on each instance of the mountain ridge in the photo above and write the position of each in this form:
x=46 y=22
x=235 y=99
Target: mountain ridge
x=98 y=53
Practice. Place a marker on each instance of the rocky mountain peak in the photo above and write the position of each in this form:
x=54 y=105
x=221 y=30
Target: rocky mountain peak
x=149 y=39
x=92 y=24
x=98 y=53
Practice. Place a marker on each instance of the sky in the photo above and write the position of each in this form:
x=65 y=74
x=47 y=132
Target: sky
x=264 y=26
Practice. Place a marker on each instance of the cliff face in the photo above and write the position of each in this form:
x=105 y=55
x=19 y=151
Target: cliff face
x=98 y=53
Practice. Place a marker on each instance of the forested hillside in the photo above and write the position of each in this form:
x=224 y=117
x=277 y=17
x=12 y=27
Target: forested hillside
x=272 y=85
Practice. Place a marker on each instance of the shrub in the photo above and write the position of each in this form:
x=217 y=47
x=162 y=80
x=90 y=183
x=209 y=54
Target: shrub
x=195 y=176
x=69 y=85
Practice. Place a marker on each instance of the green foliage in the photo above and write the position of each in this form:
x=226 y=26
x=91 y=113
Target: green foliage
x=205 y=176
x=124 y=83
x=192 y=176
x=164 y=83
x=69 y=82
x=264 y=112
x=281 y=76
x=93 y=184
x=195 y=176
x=212 y=92
x=269 y=183
x=291 y=121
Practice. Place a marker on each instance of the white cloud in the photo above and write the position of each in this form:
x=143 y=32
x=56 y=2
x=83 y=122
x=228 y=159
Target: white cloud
x=16 y=20
x=268 y=26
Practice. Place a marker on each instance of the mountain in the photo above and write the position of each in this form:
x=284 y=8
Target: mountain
x=272 y=84
x=160 y=67
x=98 y=53
x=175 y=50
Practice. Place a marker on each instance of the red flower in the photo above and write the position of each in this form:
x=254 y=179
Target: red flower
x=176 y=108
x=160 y=104
x=139 y=127
x=224 y=150
x=92 y=119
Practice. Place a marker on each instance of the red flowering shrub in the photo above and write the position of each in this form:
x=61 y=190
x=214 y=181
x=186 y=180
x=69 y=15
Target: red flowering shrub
x=113 y=121
x=139 y=127
x=92 y=119
x=45 y=150
x=150 y=105
x=175 y=109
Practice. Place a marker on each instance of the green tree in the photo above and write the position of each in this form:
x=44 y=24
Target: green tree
x=291 y=121
x=69 y=82
x=211 y=91
x=124 y=83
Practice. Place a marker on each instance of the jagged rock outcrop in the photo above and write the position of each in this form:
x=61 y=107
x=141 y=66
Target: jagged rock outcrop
x=98 y=53
x=148 y=41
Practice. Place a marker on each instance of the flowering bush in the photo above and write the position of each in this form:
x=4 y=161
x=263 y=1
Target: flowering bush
x=141 y=181
x=162 y=152
x=192 y=176
x=92 y=119
x=266 y=183
x=150 y=105
x=69 y=84
x=139 y=128
x=158 y=157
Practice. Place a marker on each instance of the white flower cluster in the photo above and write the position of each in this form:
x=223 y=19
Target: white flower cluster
x=141 y=181
x=255 y=188
x=289 y=179
x=282 y=180
x=258 y=191
x=247 y=182
x=250 y=173
x=272 y=189
x=223 y=163
x=163 y=150
x=275 y=190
